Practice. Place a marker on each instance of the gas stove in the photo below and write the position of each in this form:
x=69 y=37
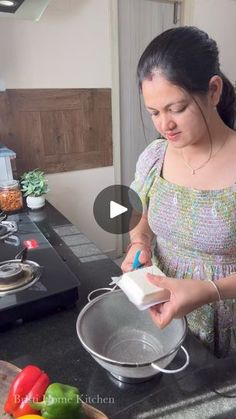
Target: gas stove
x=34 y=280
x=7 y=228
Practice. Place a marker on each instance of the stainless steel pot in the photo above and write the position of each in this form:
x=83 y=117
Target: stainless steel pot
x=125 y=341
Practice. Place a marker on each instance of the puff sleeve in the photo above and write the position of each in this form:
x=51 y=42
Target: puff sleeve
x=147 y=168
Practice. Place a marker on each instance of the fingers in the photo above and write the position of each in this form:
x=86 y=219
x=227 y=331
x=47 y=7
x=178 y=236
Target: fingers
x=159 y=280
x=144 y=257
x=148 y=264
x=161 y=315
x=126 y=267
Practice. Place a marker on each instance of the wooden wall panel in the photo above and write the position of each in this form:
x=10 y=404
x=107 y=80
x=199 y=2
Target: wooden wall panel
x=57 y=129
x=6 y=120
x=74 y=122
x=28 y=147
x=53 y=132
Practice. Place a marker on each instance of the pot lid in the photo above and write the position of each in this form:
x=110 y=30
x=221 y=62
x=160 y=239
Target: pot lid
x=8 y=184
x=6 y=152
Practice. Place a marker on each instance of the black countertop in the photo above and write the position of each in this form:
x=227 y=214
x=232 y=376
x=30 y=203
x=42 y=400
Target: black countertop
x=51 y=343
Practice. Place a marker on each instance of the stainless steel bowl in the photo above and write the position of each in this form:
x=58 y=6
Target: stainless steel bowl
x=125 y=341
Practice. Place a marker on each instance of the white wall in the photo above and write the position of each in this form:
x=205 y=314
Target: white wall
x=217 y=17
x=76 y=196
x=68 y=48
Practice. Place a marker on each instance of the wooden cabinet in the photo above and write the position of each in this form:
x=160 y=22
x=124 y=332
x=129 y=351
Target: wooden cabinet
x=57 y=129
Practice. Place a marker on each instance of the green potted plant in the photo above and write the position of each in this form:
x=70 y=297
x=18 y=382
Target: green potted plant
x=34 y=187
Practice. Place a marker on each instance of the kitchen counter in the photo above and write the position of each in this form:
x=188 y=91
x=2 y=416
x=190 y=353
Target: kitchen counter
x=51 y=342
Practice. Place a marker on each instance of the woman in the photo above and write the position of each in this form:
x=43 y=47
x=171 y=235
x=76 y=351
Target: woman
x=187 y=183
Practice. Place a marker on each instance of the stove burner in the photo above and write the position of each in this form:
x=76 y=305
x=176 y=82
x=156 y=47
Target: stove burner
x=16 y=275
x=7 y=228
x=10 y=271
x=3 y=216
x=3 y=230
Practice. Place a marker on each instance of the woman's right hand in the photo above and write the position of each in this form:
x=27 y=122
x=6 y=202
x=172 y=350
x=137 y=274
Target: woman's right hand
x=145 y=256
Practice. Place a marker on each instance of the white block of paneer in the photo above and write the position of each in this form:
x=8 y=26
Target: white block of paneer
x=140 y=291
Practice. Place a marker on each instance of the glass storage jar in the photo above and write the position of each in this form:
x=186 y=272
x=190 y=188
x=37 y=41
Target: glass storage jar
x=10 y=196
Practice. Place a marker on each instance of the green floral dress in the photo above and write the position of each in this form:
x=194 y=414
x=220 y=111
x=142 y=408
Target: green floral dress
x=195 y=238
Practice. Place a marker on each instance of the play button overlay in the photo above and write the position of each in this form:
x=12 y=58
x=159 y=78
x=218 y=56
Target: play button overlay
x=117 y=209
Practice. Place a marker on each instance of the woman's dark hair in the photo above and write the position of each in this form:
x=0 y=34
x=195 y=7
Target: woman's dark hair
x=188 y=57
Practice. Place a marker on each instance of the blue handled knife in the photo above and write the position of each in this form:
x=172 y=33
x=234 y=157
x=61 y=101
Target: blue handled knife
x=136 y=263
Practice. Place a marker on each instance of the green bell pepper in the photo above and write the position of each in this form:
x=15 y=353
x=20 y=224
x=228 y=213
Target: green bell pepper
x=60 y=401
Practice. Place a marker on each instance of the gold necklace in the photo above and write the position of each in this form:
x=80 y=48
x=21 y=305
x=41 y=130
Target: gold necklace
x=203 y=164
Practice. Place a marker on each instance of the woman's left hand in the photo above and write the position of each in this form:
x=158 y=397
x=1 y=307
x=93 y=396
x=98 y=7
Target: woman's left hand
x=185 y=296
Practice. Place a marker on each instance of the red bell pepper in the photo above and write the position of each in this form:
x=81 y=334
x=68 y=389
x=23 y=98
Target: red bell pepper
x=30 y=384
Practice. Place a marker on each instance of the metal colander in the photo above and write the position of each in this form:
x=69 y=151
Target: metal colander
x=125 y=341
